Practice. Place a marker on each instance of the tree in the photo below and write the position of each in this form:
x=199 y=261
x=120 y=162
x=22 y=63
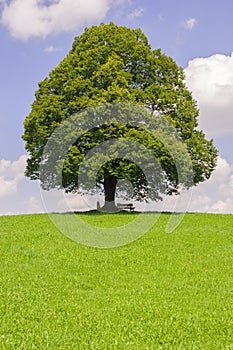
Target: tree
x=110 y=64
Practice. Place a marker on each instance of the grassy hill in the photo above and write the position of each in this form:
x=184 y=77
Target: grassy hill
x=163 y=291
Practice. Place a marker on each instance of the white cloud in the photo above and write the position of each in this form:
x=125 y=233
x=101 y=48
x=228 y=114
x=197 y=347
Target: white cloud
x=33 y=205
x=216 y=194
x=59 y=201
x=136 y=13
x=39 y=18
x=51 y=49
x=223 y=206
x=190 y=23
x=160 y=17
x=211 y=81
x=18 y=194
x=213 y=196
x=11 y=173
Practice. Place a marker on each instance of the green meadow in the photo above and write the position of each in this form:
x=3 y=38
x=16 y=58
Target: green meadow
x=162 y=291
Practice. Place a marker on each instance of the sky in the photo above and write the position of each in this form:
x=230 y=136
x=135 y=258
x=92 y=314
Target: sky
x=36 y=35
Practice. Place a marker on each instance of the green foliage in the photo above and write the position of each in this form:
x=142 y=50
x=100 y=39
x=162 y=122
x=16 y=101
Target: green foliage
x=164 y=291
x=112 y=64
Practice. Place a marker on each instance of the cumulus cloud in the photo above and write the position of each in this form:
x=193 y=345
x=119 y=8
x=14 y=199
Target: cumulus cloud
x=59 y=201
x=51 y=49
x=18 y=194
x=212 y=196
x=33 y=205
x=136 y=13
x=39 y=18
x=160 y=17
x=216 y=194
x=211 y=81
x=190 y=23
x=11 y=173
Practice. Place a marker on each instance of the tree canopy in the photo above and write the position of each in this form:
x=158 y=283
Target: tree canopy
x=110 y=64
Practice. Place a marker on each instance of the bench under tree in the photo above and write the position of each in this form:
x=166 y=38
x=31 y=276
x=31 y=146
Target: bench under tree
x=128 y=206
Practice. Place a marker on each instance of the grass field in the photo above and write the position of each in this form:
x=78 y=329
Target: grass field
x=163 y=291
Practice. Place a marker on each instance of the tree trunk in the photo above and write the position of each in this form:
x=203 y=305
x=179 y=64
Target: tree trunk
x=110 y=182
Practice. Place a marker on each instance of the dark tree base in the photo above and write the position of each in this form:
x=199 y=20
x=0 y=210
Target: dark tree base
x=109 y=207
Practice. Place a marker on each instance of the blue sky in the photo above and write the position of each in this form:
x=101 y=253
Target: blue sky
x=35 y=35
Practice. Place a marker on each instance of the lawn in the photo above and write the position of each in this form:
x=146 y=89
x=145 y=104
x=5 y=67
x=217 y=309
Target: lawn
x=162 y=291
